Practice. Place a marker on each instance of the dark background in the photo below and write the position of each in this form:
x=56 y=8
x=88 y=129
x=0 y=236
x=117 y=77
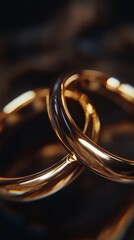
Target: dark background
x=39 y=41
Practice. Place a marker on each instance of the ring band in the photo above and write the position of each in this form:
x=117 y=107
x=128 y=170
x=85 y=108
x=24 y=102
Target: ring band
x=90 y=154
x=48 y=181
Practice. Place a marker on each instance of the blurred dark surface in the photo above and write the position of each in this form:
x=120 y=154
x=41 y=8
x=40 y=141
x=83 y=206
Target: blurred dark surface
x=38 y=43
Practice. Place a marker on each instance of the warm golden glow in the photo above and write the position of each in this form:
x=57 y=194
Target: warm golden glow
x=92 y=148
x=127 y=89
x=47 y=175
x=16 y=192
x=89 y=108
x=17 y=102
x=71 y=79
x=113 y=82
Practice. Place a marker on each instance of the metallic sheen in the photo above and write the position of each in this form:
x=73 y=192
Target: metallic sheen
x=48 y=181
x=87 y=151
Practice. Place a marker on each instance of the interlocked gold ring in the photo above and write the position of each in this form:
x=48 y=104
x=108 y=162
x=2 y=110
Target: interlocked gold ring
x=87 y=152
x=48 y=181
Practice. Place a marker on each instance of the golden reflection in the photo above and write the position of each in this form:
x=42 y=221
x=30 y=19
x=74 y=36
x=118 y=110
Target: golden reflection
x=47 y=175
x=71 y=79
x=16 y=192
x=89 y=146
x=113 y=82
x=127 y=90
x=14 y=104
x=124 y=89
x=89 y=108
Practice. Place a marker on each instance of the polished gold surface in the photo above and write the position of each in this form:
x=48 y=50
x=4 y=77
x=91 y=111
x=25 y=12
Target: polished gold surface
x=48 y=181
x=88 y=152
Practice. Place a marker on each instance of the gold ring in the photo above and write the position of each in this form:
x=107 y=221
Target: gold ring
x=48 y=181
x=88 y=152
